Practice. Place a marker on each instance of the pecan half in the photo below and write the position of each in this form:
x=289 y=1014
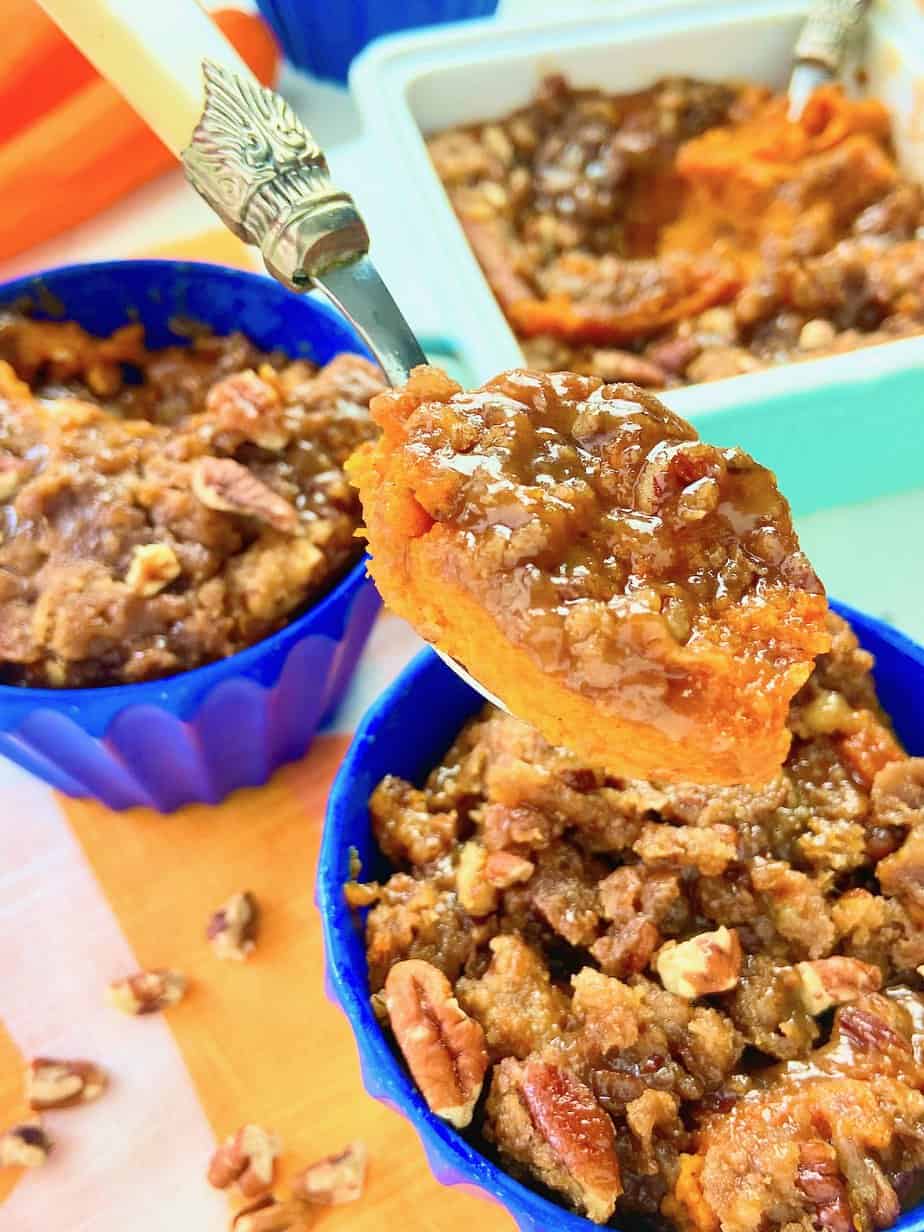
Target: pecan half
x=335 y=1180
x=268 y=1214
x=444 y=1048
x=835 y=981
x=24 y=1146
x=61 y=1084
x=225 y=485
x=707 y=963
x=153 y=566
x=247 y=1158
x=545 y=1118
x=233 y=928
x=147 y=992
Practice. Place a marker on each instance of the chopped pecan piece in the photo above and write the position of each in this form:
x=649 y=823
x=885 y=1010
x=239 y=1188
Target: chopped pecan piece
x=232 y=929
x=608 y=1010
x=504 y=869
x=835 y=981
x=268 y=1214
x=226 y=485
x=247 y=1158
x=359 y=894
x=708 y=849
x=901 y=875
x=707 y=963
x=444 y=1048
x=614 y=365
x=147 y=992
x=650 y=1113
x=52 y=1083
x=336 y=1180
x=250 y=406
x=868 y=1031
x=476 y=894
x=544 y=1117
x=153 y=566
x=627 y=948
x=24 y=1146
x=897 y=794
x=820 y=1179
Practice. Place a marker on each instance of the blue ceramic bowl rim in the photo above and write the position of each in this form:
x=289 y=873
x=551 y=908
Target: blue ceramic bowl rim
x=392 y=1082
x=196 y=678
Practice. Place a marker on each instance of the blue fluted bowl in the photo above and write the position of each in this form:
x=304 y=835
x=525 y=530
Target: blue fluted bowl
x=324 y=38
x=406 y=732
x=199 y=735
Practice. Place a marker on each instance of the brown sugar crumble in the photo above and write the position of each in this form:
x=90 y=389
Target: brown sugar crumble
x=636 y=593
x=697 y=1006
x=690 y=231
x=162 y=509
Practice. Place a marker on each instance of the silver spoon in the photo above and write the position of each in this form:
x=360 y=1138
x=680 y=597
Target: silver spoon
x=267 y=179
x=249 y=156
x=821 y=48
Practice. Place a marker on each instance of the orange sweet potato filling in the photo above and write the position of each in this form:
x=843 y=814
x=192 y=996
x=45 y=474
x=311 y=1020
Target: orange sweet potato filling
x=749 y=181
x=636 y=594
x=689 y=231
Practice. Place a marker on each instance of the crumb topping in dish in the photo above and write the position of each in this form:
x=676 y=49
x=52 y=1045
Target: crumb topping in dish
x=701 y=1006
x=160 y=509
x=690 y=231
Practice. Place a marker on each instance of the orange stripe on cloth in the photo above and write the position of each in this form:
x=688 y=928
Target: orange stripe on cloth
x=260 y=1040
x=13 y=1107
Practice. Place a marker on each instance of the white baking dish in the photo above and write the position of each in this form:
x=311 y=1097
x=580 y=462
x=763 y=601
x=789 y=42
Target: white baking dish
x=412 y=85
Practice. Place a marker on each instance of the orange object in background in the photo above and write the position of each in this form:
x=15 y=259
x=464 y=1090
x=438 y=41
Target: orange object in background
x=65 y=164
x=39 y=66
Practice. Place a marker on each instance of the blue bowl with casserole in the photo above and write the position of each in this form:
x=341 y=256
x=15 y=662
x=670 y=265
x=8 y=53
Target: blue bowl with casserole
x=406 y=733
x=202 y=733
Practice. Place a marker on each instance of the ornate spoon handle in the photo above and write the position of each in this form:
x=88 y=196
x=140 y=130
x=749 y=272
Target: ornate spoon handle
x=265 y=176
x=827 y=31
x=249 y=156
x=821 y=47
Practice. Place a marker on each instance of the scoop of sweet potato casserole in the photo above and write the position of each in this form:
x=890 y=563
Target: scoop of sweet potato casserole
x=637 y=594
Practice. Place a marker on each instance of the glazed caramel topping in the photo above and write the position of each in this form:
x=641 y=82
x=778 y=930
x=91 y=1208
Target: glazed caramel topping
x=636 y=593
x=577 y=498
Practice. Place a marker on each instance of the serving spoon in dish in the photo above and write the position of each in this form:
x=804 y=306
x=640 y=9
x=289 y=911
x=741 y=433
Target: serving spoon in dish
x=248 y=155
x=821 y=48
